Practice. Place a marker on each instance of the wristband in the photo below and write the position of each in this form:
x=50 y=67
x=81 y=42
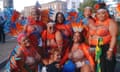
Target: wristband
x=110 y=49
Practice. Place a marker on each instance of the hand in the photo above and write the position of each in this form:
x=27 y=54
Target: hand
x=109 y=54
x=58 y=65
x=92 y=69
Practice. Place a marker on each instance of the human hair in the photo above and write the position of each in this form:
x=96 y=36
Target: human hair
x=82 y=39
x=88 y=7
x=57 y=16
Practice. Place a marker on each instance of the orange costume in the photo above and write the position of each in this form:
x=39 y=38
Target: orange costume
x=49 y=39
x=101 y=31
x=84 y=48
x=65 y=29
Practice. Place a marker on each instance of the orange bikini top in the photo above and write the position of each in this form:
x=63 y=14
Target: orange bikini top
x=85 y=48
x=46 y=35
x=102 y=30
x=63 y=27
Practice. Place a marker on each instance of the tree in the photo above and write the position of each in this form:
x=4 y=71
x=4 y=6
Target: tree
x=90 y=3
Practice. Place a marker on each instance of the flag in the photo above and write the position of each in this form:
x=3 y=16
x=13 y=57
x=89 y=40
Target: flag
x=98 y=53
x=37 y=5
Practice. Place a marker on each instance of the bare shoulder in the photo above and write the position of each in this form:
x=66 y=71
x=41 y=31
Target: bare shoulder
x=19 y=52
x=112 y=21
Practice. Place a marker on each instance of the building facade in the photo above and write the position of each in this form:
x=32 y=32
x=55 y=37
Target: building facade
x=73 y=4
x=57 y=6
x=27 y=11
x=8 y=3
x=1 y=5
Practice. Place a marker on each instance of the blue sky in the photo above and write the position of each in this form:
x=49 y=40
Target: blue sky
x=20 y=4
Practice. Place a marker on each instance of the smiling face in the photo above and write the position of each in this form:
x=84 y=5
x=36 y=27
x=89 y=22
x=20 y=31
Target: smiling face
x=60 y=18
x=55 y=55
x=87 y=11
x=102 y=14
x=25 y=42
x=76 y=37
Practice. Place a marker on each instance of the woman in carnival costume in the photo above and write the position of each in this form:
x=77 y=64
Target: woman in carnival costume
x=80 y=59
x=51 y=37
x=106 y=29
x=26 y=58
x=60 y=25
x=66 y=31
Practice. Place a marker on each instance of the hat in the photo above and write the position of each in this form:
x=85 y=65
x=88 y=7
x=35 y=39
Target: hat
x=69 y=66
x=100 y=6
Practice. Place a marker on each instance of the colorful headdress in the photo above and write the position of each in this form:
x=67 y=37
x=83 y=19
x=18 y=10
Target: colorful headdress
x=100 y=6
x=46 y=14
x=15 y=16
x=118 y=7
x=77 y=27
x=20 y=36
x=73 y=15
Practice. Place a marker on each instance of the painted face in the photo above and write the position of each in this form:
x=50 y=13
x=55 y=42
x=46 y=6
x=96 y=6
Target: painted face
x=25 y=42
x=87 y=12
x=102 y=14
x=50 y=28
x=76 y=37
x=60 y=18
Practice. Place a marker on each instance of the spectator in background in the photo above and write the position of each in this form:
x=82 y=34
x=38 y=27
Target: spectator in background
x=87 y=15
x=2 y=34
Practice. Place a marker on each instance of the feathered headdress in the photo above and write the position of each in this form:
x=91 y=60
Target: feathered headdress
x=73 y=15
x=77 y=27
x=15 y=16
x=46 y=14
x=118 y=7
x=100 y=6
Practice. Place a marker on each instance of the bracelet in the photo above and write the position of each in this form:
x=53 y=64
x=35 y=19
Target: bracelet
x=110 y=49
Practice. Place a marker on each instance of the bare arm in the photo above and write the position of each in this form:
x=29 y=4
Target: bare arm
x=113 y=31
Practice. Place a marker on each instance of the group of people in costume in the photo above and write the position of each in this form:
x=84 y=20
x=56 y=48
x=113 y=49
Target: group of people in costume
x=81 y=45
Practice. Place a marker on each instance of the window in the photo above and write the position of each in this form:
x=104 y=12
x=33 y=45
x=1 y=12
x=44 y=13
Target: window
x=73 y=4
x=54 y=6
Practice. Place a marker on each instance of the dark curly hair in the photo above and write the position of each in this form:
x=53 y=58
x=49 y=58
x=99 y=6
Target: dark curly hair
x=57 y=16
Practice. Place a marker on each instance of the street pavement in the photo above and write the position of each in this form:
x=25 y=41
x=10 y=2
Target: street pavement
x=6 y=48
